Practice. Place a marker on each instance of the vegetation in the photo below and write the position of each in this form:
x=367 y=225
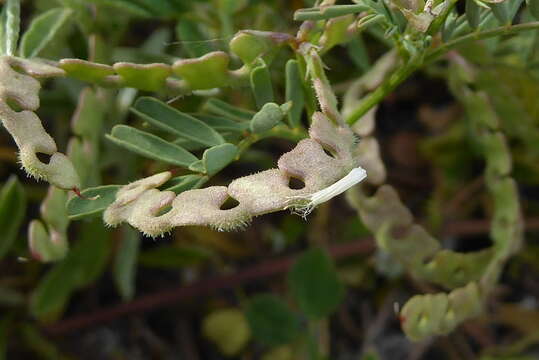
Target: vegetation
x=172 y=135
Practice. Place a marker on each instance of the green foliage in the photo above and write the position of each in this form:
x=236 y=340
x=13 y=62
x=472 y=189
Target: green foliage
x=9 y=27
x=174 y=256
x=147 y=8
x=150 y=146
x=294 y=93
x=125 y=263
x=42 y=31
x=271 y=321
x=261 y=85
x=268 y=117
x=83 y=264
x=93 y=201
x=12 y=211
x=178 y=113
x=218 y=157
x=175 y=122
x=314 y=284
x=221 y=108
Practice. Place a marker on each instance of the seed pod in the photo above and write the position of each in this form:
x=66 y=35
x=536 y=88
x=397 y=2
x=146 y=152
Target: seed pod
x=250 y=45
x=206 y=72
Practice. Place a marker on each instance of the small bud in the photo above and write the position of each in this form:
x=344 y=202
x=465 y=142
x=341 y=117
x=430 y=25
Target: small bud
x=269 y=116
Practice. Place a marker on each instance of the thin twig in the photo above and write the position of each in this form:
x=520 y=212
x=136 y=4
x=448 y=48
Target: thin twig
x=254 y=273
x=173 y=296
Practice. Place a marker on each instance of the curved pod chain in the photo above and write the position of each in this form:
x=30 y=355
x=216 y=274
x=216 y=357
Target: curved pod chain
x=469 y=276
x=19 y=99
x=140 y=202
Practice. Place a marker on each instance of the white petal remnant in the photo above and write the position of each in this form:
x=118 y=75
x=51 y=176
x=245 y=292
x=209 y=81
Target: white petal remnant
x=303 y=205
x=19 y=99
x=324 y=176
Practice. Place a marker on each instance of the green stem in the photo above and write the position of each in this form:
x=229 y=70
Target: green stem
x=381 y=92
x=502 y=30
x=405 y=71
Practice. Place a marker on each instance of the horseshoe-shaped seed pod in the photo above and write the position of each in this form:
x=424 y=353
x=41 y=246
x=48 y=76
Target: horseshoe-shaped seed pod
x=268 y=191
x=19 y=98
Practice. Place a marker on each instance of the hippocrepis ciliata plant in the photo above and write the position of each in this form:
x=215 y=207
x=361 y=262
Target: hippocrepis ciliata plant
x=420 y=32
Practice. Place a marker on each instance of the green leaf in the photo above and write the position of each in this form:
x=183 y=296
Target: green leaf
x=81 y=207
x=218 y=157
x=91 y=252
x=186 y=182
x=12 y=211
x=150 y=146
x=294 y=93
x=328 y=12
x=268 y=117
x=533 y=8
x=176 y=122
x=9 y=27
x=125 y=263
x=130 y=6
x=172 y=257
x=473 y=13
x=505 y=11
x=82 y=265
x=261 y=85
x=222 y=124
x=89 y=116
x=358 y=53
x=271 y=321
x=42 y=31
x=219 y=107
x=198 y=166
x=314 y=284
x=53 y=291
x=189 y=145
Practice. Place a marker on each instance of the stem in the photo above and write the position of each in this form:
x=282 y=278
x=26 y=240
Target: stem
x=502 y=30
x=406 y=70
x=381 y=92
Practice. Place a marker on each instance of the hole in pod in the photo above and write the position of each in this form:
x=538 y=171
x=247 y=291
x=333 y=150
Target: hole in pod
x=44 y=158
x=295 y=183
x=329 y=151
x=230 y=203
